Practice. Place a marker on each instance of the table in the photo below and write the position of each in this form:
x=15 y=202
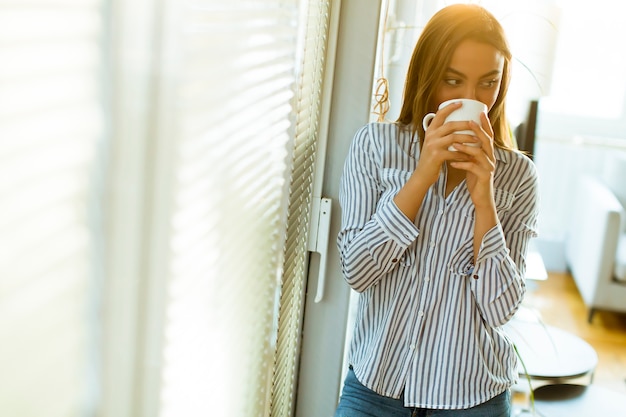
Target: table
x=551 y=355
x=579 y=401
x=535 y=268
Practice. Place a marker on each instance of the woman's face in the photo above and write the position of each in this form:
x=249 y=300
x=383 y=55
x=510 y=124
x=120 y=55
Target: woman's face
x=475 y=72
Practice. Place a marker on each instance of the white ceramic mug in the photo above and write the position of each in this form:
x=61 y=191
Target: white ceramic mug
x=470 y=110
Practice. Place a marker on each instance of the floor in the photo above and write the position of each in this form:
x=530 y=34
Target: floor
x=558 y=302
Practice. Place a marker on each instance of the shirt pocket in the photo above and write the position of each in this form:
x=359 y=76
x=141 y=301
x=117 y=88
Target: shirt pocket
x=503 y=199
x=462 y=260
x=504 y=202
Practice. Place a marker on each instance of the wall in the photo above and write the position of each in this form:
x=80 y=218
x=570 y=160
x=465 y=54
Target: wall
x=560 y=161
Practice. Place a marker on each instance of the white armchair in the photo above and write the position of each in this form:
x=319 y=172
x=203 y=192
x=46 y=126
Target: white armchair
x=595 y=248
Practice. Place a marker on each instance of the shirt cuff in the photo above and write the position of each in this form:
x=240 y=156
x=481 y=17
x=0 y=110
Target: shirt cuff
x=396 y=225
x=493 y=243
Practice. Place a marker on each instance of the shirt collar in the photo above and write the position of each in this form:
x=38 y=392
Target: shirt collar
x=502 y=155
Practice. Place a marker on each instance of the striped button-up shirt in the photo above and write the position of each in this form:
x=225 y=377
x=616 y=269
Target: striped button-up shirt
x=429 y=316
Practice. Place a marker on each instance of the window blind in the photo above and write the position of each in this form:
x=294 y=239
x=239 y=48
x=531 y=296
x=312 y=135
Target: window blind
x=230 y=113
x=308 y=106
x=147 y=250
x=51 y=122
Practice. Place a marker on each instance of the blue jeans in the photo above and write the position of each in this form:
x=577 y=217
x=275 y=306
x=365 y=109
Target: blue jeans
x=359 y=401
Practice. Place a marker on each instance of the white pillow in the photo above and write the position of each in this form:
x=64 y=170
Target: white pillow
x=614 y=176
x=620 y=259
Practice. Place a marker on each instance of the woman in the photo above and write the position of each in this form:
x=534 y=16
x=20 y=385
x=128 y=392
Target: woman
x=435 y=240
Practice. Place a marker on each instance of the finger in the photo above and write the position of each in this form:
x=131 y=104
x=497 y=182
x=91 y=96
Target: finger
x=472 y=166
x=468 y=166
x=486 y=124
x=467 y=138
x=488 y=130
x=480 y=162
x=485 y=137
x=442 y=114
x=476 y=156
x=457 y=127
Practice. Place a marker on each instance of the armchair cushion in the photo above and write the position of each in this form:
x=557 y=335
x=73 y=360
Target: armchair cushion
x=620 y=260
x=591 y=245
x=613 y=176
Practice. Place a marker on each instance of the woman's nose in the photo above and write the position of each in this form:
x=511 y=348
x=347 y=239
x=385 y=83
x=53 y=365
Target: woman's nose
x=470 y=93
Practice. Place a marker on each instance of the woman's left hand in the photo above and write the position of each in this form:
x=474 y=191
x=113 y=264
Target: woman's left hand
x=481 y=166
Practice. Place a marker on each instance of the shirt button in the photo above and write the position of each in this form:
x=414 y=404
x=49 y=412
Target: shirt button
x=426 y=279
x=440 y=212
x=432 y=244
x=475 y=276
x=394 y=260
x=420 y=314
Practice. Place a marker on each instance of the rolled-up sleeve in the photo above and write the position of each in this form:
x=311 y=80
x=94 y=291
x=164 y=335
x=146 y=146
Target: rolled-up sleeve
x=374 y=235
x=498 y=279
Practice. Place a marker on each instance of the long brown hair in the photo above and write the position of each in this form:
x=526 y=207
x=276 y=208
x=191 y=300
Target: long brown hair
x=432 y=54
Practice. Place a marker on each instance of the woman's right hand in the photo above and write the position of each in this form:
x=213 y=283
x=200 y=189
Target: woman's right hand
x=433 y=153
x=437 y=139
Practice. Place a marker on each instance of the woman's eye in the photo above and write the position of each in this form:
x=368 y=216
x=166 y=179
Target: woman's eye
x=452 y=81
x=490 y=83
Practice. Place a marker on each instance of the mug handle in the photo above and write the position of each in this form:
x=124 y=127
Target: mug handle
x=427 y=119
